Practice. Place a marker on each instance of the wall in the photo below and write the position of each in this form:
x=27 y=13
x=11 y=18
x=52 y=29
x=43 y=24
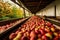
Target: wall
x=50 y=9
x=57 y=8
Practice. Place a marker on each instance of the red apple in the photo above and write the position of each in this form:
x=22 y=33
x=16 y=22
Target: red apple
x=39 y=35
x=24 y=38
x=42 y=27
x=42 y=31
x=2 y=29
x=44 y=37
x=13 y=35
x=23 y=30
x=7 y=25
x=32 y=27
x=36 y=30
x=17 y=32
x=47 y=29
x=31 y=38
x=59 y=34
x=32 y=33
x=39 y=39
x=48 y=24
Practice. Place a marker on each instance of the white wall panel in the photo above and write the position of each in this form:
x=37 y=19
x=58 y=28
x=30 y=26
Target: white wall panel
x=58 y=7
x=49 y=10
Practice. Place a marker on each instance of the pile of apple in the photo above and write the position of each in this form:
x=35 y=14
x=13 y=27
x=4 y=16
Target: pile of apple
x=36 y=29
x=6 y=26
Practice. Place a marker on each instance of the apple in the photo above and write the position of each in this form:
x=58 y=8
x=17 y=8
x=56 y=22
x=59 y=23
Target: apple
x=48 y=24
x=32 y=34
x=28 y=29
x=39 y=35
x=47 y=29
x=23 y=30
x=13 y=35
x=49 y=35
x=52 y=29
x=24 y=38
x=24 y=25
x=10 y=24
x=59 y=34
x=2 y=28
x=36 y=30
x=32 y=38
x=18 y=36
x=27 y=33
x=55 y=34
x=39 y=39
x=39 y=24
x=17 y=32
x=32 y=27
x=7 y=25
x=42 y=27
x=19 y=29
x=41 y=31
x=44 y=37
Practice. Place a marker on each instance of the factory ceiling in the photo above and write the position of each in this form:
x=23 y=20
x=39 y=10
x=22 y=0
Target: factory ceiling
x=34 y=5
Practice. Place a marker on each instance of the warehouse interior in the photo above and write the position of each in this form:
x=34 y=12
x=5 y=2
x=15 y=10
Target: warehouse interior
x=29 y=19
